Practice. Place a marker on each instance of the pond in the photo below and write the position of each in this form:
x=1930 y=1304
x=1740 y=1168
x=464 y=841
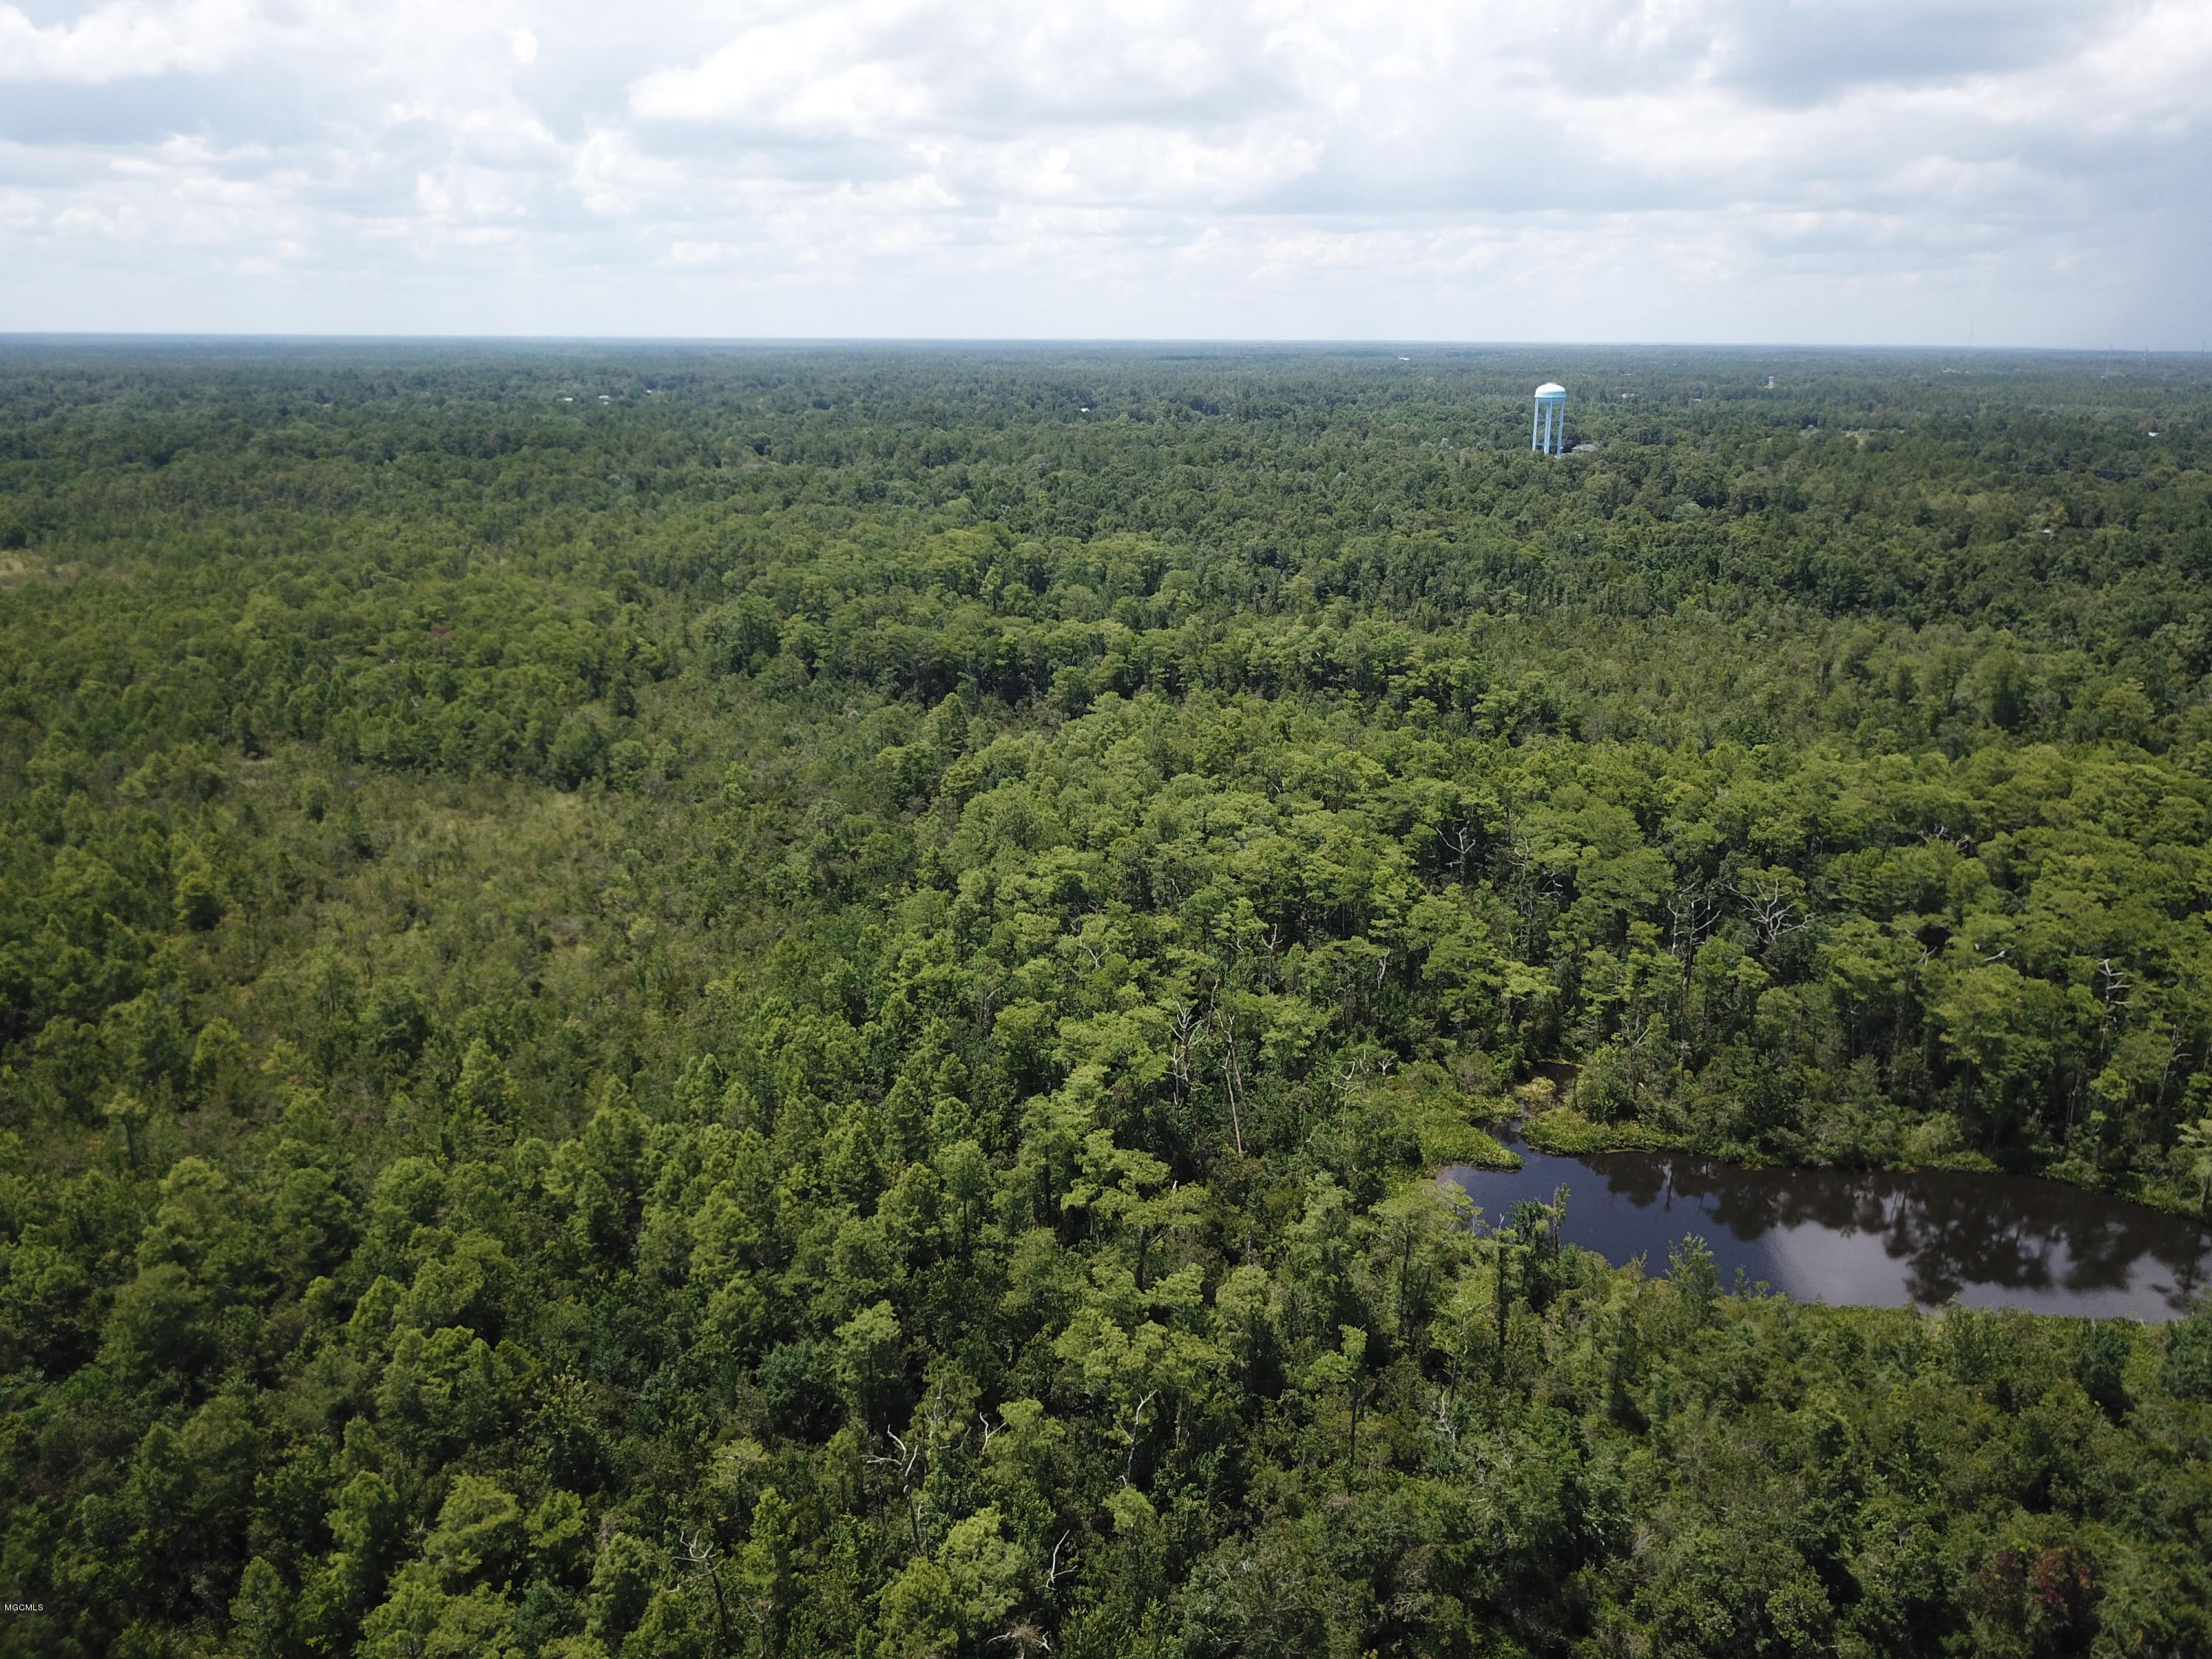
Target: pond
x=1884 y=1239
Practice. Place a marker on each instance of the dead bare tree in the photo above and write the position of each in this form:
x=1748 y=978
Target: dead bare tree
x=2115 y=990
x=1461 y=840
x=1693 y=914
x=1188 y=1023
x=700 y=1553
x=1232 y=1072
x=912 y=1464
x=1136 y=1429
x=1765 y=894
x=1053 y=1569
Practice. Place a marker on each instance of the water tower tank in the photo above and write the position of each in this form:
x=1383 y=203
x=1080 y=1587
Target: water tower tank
x=1550 y=429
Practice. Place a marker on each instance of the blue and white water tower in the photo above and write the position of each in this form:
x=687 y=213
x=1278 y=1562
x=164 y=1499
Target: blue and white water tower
x=1550 y=430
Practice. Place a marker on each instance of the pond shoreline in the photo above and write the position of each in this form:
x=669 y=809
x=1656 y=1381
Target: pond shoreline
x=1563 y=1131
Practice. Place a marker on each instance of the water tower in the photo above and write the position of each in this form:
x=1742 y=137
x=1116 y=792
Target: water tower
x=1550 y=429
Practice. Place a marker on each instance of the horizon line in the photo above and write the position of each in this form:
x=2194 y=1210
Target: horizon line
x=119 y=336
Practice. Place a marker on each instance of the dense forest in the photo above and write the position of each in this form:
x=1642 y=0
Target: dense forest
x=744 y=1001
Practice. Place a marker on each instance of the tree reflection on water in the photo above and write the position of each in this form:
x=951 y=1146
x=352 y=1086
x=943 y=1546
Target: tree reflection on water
x=1990 y=1239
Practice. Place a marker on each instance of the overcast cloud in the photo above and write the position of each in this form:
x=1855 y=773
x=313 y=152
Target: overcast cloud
x=2032 y=172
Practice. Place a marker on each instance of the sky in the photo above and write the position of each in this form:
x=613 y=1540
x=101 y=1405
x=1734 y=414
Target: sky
x=2019 y=172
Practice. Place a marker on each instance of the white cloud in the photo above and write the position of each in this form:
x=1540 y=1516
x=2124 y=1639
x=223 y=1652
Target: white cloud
x=125 y=39
x=1834 y=169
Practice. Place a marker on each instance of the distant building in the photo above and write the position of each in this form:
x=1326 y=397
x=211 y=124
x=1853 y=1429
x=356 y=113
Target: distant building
x=1549 y=432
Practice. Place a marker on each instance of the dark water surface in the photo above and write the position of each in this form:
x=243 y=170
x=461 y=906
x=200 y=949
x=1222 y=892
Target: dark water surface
x=1874 y=1239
